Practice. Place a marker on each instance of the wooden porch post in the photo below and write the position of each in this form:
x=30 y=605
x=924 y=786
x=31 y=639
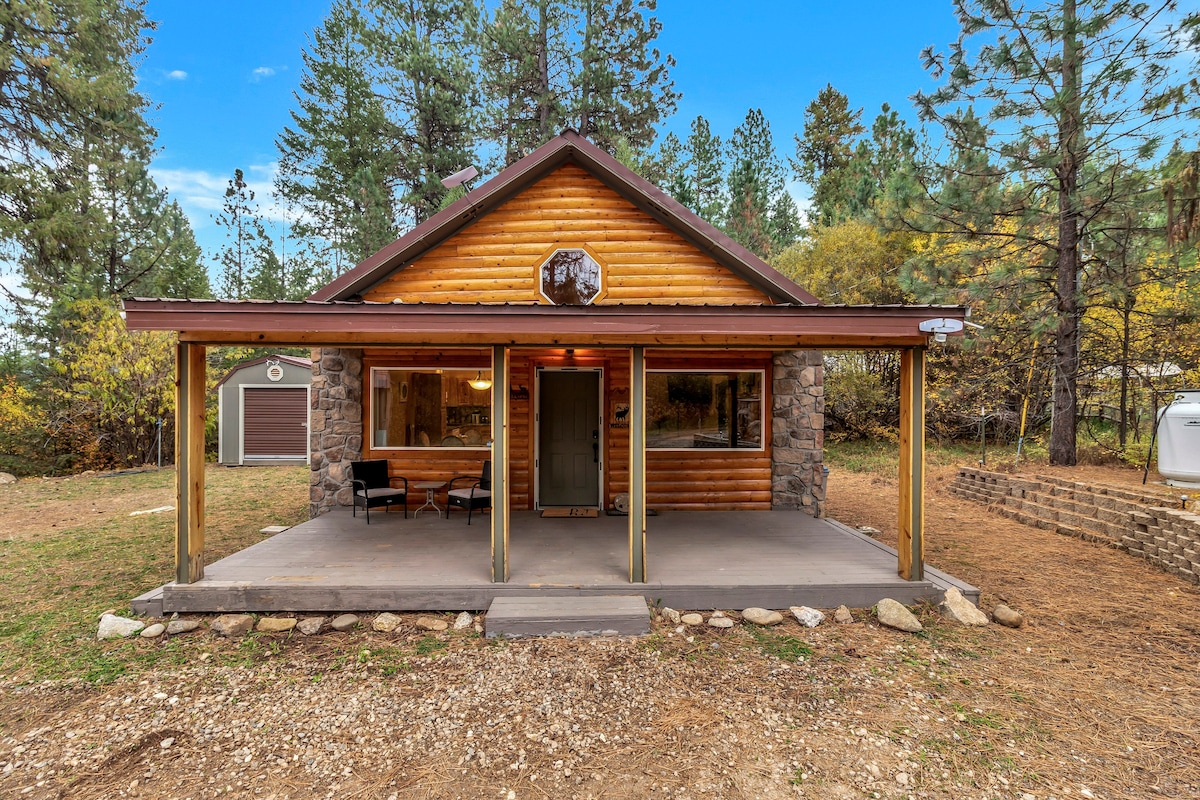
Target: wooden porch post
x=637 y=466
x=500 y=518
x=189 y=462
x=911 y=547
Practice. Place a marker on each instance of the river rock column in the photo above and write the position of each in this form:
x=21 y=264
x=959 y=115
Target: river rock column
x=798 y=431
x=335 y=426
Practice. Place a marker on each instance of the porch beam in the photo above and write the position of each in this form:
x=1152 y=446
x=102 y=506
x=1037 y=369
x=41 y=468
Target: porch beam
x=911 y=547
x=189 y=462
x=637 y=465
x=500 y=504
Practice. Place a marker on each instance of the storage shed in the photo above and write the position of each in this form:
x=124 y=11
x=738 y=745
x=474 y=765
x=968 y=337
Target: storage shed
x=263 y=412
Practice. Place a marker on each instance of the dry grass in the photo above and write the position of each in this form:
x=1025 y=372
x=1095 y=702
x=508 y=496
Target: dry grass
x=1098 y=689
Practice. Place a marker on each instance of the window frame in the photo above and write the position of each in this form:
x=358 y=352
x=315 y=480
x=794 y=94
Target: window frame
x=370 y=426
x=601 y=270
x=762 y=402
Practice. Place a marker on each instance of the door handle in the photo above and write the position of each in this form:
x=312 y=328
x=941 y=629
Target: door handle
x=595 y=452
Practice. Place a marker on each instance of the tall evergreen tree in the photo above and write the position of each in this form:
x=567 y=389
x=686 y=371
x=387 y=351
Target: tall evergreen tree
x=244 y=236
x=338 y=160
x=1060 y=87
x=426 y=48
x=522 y=60
x=705 y=168
x=758 y=217
x=824 y=153
x=70 y=115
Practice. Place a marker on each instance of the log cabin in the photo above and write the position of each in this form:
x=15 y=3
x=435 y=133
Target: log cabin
x=598 y=343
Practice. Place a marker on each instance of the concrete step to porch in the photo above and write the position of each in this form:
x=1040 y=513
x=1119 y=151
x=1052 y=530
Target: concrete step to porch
x=606 y=615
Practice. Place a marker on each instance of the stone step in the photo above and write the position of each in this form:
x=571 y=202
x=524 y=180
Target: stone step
x=611 y=615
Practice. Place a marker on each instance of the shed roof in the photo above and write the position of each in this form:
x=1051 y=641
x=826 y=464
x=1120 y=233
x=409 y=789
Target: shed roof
x=567 y=147
x=296 y=361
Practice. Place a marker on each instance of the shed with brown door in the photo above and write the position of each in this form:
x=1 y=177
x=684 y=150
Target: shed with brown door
x=262 y=412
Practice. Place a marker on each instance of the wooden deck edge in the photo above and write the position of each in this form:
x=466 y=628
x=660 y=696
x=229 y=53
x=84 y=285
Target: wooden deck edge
x=149 y=604
x=941 y=581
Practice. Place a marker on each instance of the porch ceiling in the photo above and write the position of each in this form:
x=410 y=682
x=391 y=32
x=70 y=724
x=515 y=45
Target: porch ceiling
x=364 y=324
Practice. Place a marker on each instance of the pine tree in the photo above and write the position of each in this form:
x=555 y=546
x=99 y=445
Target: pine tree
x=522 y=54
x=705 y=167
x=244 y=234
x=1062 y=88
x=623 y=88
x=824 y=153
x=427 y=53
x=756 y=181
x=338 y=160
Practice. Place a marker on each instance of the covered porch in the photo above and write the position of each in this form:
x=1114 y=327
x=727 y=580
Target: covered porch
x=730 y=560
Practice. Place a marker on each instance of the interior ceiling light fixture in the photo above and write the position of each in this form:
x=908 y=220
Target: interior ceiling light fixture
x=479 y=382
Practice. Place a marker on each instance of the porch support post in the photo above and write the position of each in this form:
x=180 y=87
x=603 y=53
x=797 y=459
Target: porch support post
x=637 y=466
x=189 y=462
x=500 y=518
x=911 y=547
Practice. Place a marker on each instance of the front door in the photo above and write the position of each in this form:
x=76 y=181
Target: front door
x=569 y=438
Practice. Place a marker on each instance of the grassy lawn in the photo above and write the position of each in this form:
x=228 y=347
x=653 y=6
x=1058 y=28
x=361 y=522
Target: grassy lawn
x=71 y=550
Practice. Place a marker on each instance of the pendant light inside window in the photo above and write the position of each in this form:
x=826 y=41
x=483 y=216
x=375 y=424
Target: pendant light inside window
x=479 y=382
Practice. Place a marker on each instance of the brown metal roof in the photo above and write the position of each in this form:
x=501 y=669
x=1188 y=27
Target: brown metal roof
x=568 y=147
x=362 y=323
x=297 y=361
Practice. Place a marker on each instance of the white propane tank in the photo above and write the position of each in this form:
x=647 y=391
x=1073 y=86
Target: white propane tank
x=1179 y=440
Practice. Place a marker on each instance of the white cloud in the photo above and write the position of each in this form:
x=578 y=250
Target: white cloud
x=261 y=72
x=177 y=75
x=202 y=193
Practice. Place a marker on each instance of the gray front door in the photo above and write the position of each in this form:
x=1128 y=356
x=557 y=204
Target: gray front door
x=569 y=439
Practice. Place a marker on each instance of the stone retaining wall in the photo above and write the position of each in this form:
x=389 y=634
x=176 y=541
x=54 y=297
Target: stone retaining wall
x=798 y=431
x=1137 y=522
x=335 y=426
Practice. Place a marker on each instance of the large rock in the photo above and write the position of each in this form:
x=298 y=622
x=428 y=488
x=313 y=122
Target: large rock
x=1007 y=617
x=7 y=477
x=432 y=624
x=843 y=616
x=962 y=610
x=761 y=616
x=808 y=617
x=114 y=627
x=344 y=622
x=463 y=621
x=310 y=626
x=894 y=615
x=275 y=624
x=231 y=625
x=669 y=614
x=386 y=622
x=719 y=620
x=154 y=631
x=178 y=626
x=691 y=619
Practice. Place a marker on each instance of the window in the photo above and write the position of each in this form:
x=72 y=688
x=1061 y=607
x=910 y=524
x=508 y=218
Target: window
x=570 y=278
x=704 y=409
x=429 y=407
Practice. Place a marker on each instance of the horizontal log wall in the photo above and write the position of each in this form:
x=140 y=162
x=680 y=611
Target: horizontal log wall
x=496 y=260
x=701 y=479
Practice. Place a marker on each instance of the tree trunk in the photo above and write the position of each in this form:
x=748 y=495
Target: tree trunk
x=1066 y=345
x=544 y=134
x=1123 y=425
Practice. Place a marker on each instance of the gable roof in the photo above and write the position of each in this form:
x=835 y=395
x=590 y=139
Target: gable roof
x=295 y=361
x=568 y=147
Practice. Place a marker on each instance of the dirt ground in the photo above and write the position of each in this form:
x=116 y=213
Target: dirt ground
x=1097 y=696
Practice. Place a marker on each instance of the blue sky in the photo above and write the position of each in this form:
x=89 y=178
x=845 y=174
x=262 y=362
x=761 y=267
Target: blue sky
x=222 y=75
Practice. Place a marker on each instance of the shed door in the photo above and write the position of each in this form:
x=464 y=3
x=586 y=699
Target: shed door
x=275 y=422
x=569 y=439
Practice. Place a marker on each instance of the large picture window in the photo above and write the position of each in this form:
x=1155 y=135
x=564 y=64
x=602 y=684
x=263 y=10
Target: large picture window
x=416 y=407
x=704 y=409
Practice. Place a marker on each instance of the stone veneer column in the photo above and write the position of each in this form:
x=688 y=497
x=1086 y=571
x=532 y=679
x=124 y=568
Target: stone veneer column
x=335 y=426
x=798 y=431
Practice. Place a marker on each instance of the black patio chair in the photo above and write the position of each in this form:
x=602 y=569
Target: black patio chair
x=373 y=487
x=473 y=493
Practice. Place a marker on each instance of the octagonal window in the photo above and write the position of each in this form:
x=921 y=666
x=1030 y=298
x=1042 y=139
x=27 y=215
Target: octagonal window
x=570 y=278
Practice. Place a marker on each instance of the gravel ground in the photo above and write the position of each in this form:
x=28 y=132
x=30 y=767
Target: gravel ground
x=1095 y=697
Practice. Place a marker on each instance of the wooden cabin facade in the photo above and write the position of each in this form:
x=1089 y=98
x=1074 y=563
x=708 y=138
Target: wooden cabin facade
x=567 y=321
